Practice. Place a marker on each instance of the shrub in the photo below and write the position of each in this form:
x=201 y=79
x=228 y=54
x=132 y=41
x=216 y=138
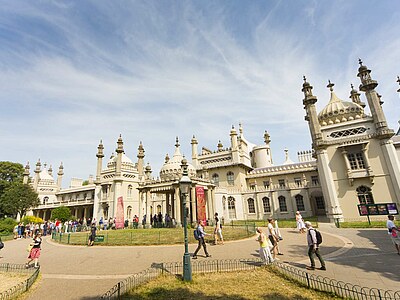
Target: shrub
x=7 y=225
x=31 y=219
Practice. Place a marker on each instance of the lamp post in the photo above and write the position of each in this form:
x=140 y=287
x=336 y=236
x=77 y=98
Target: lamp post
x=184 y=186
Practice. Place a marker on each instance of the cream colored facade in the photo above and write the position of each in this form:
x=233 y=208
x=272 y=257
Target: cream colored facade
x=355 y=159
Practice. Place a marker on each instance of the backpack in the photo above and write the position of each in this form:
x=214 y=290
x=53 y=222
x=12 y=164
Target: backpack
x=318 y=235
x=196 y=234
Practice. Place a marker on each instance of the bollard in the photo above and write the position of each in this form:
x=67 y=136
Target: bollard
x=308 y=281
x=69 y=237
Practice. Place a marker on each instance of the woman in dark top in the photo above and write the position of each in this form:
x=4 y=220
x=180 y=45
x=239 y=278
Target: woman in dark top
x=34 y=253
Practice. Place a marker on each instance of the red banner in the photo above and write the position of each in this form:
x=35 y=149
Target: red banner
x=119 y=220
x=200 y=203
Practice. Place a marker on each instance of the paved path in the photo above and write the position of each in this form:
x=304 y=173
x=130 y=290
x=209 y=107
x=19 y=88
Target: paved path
x=79 y=272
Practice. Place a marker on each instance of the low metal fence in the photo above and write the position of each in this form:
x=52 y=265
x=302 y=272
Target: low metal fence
x=153 y=236
x=339 y=288
x=312 y=281
x=22 y=286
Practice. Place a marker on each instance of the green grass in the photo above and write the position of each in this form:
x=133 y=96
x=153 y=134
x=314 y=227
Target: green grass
x=154 y=236
x=262 y=283
x=282 y=223
x=363 y=224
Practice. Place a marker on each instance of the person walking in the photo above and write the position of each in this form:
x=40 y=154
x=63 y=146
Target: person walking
x=34 y=253
x=313 y=247
x=274 y=238
x=300 y=223
x=394 y=232
x=201 y=234
x=92 y=235
x=218 y=231
x=265 y=253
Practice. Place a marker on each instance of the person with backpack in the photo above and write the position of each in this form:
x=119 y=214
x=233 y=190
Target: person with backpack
x=314 y=239
x=199 y=235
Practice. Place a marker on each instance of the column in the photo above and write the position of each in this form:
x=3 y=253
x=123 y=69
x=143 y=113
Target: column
x=178 y=206
x=96 y=202
x=167 y=204
x=193 y=204
x=148 y=202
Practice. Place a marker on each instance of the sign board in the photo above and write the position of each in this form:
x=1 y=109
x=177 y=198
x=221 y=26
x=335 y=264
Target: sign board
x=377 y=209
x=99 y=238
x=200 y=203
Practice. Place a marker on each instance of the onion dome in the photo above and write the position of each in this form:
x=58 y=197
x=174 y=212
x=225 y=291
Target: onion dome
x=171 y=170
x=126 y=162
x=337 y=110
x=44 y=176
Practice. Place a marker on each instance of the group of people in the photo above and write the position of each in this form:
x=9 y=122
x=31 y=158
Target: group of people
x=271 y=243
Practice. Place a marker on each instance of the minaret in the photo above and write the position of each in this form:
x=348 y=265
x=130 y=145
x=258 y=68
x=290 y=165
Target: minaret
x=26 y=173
x=220 y=146
x=119 y=150
x=50 y=171
x=97 y=214
x=368 y=86
x=60 y=175
x=355 y=96
x=311 y=113
x=37 y=171
x=140 y=164
x=148 y=172
x=99 y=155
x=194 y=151
x=234 y=145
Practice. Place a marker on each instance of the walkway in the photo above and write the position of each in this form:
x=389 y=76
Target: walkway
x=78 y=272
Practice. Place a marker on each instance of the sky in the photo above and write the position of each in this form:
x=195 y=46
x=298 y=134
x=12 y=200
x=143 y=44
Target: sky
x=73 y=73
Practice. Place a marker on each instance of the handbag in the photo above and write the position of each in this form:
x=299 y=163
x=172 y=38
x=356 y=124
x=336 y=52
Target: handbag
x=29 y=248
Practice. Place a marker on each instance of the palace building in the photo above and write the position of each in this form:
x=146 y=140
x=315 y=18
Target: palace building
x=354 y=160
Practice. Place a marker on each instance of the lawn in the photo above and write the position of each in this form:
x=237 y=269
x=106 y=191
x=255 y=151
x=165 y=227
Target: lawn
x=362 y=224
x=154 y=236
x=282 y=223
x=9 y=280
x=257 y=284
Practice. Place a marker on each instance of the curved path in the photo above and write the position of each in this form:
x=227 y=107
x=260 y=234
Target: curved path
x=79 y=272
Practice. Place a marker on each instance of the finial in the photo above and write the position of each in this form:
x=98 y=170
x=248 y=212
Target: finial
x=304 y=78
x=351 y=85
x=398 y=80
x=360 y=62
x=330 y=85
x=177 y=142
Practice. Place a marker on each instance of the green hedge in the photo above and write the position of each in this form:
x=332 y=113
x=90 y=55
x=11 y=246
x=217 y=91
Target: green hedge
x=7 y=226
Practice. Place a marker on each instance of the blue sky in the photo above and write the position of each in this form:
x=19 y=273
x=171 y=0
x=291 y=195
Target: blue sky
x=75 y=72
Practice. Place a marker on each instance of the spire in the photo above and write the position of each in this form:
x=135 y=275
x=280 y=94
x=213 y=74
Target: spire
x=398 y=80
x=330 y=85
x=220 y=146
x=120 y=145
x=38 y=166
x=309 y=98
x=60 y=170
x=27 y=167
x=141 y=150
x=267 y=137
x=367 y=83
x=50 y=171
x=355 y=96
x=177 y=143
x=240 y=128
x=194 y=140
x=100 y=148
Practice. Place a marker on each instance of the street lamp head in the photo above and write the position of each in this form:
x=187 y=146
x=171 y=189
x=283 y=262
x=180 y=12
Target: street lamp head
x=184 y=182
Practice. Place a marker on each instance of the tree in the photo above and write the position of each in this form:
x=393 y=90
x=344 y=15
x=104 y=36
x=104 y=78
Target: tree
x=61 y=213
x=18 y=198
x=10 y=172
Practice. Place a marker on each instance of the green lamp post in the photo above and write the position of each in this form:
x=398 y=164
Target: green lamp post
x=184 y=186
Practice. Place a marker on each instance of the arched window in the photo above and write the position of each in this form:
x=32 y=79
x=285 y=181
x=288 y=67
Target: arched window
x=158 y=208
x=299 y=202
x=364 y=195
x=215 y=179
x=45 y=200
x=266 y=205
x=282 y=204
x=250 y=204
x=230 y=177
x=129 y=212
x=231 y=208
x=130 y=191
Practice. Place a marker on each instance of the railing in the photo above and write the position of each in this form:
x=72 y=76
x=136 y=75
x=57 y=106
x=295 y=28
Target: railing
x=21 y=287
x=311 y=281
x=339 y=288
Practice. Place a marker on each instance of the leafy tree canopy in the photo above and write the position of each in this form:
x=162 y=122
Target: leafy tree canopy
x=18 y=198
x=32 y=219
x=10 y=172
x=61 y=213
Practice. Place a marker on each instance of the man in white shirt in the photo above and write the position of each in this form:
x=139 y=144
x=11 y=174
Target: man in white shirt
x=393 y=232
x=218 y=231
x=313 y=247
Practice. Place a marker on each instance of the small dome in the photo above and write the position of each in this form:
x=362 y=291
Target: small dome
x=44 y=175
x=171 y=170
x=337 y=111
x=126 y=162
